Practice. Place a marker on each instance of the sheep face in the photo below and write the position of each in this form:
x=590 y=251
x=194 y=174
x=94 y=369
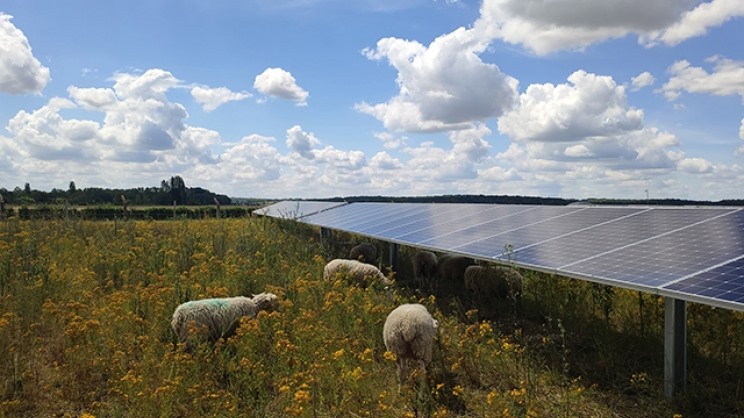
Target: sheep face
x=364 y=252
x=266 y=301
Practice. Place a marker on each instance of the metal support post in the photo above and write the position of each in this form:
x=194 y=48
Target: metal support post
x=394 y=256
x=675 y=347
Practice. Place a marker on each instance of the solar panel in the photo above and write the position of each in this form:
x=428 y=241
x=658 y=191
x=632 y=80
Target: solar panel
x=721 y=284
x=694 y=254
x=295 y=209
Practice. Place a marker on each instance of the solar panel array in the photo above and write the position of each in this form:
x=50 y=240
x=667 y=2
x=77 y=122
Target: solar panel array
x=694 y=254
x=295 y=209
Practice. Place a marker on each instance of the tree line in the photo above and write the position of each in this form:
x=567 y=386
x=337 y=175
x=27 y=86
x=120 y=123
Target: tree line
x=169 y=192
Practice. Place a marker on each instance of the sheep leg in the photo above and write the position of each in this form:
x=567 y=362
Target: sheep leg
x=401 y=366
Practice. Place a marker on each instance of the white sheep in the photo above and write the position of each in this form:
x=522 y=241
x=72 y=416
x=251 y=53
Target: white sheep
x=425 y=269
x=212 y=319
x=362 y=274
x=408 y=333
x=490 y=284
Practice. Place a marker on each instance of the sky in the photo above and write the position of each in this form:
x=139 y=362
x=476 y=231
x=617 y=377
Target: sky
x=627 y=99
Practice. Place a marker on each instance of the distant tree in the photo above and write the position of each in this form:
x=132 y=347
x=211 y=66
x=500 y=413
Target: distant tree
x=72 y=188
x=178 y=190
x=27 y=189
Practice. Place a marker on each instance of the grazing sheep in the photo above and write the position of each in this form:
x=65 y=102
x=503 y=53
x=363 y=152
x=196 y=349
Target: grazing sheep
x=491 y=284
x=451 y=274
x=364 y=252
x=408 y=333
x=363 y=274
x=212 y=319
x=425 y=269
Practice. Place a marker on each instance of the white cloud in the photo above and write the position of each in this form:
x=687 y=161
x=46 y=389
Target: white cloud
x=726 y=79
x=92 y=98
x=695 y=165
x=697 y=21
x=642 y=80
x=442 y=87
x=20 y=71
x=390 y=141
x=276 y=82
x=588 y=106
x=212 y=98
x=44 y=134
x=152 y=84
x=139 y=126
x=252 y=159
x=302 y=142
x=384 y=161
x=545 y=27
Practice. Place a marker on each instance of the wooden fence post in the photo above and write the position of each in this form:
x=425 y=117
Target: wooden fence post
x=217 y=202
x=125 y=204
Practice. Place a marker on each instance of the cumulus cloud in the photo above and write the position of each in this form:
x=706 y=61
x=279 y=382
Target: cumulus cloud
x=20 y=71
x=697 y=21
x=642 y=80
x=92 y=98
x=587 y=106
x=583 y=132
x=277 y=82
x=152 y=84
x=139 y=125
x=45 y=135
x=442 y=87
x=695 y=165
x=726 y=79
x=301 y=142
x=546 y=27
x=254 y=158
x=389 y=140
x=212 y=98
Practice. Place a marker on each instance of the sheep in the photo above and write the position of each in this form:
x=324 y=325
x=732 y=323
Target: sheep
x=425 y=269
x=408 y=333
x=493 y=283
x=364 y=252
x=363 y=274
x=451 y=274
x=212 y=319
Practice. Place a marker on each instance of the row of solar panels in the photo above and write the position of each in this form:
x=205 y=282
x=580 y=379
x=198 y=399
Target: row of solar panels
x=689 y=253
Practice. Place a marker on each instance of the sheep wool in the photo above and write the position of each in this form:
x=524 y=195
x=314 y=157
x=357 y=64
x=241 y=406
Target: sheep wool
x=451 y=273
x=408 y=333
x=491 y=285
x=362 y=274
x=212 y=319
x=364 y=252
x=425 y=269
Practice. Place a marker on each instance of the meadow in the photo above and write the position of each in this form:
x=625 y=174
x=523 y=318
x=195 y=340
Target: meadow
x=85 y=309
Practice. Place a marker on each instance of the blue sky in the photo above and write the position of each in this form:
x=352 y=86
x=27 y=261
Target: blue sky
x=323 y=98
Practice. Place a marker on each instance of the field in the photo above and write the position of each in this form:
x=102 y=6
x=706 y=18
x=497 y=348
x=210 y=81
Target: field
x=85 y=310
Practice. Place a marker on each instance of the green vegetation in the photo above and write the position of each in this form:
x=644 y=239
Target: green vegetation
x=173 y=191
x=85 y=312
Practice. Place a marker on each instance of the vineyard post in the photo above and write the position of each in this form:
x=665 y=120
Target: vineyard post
x=125 y=204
